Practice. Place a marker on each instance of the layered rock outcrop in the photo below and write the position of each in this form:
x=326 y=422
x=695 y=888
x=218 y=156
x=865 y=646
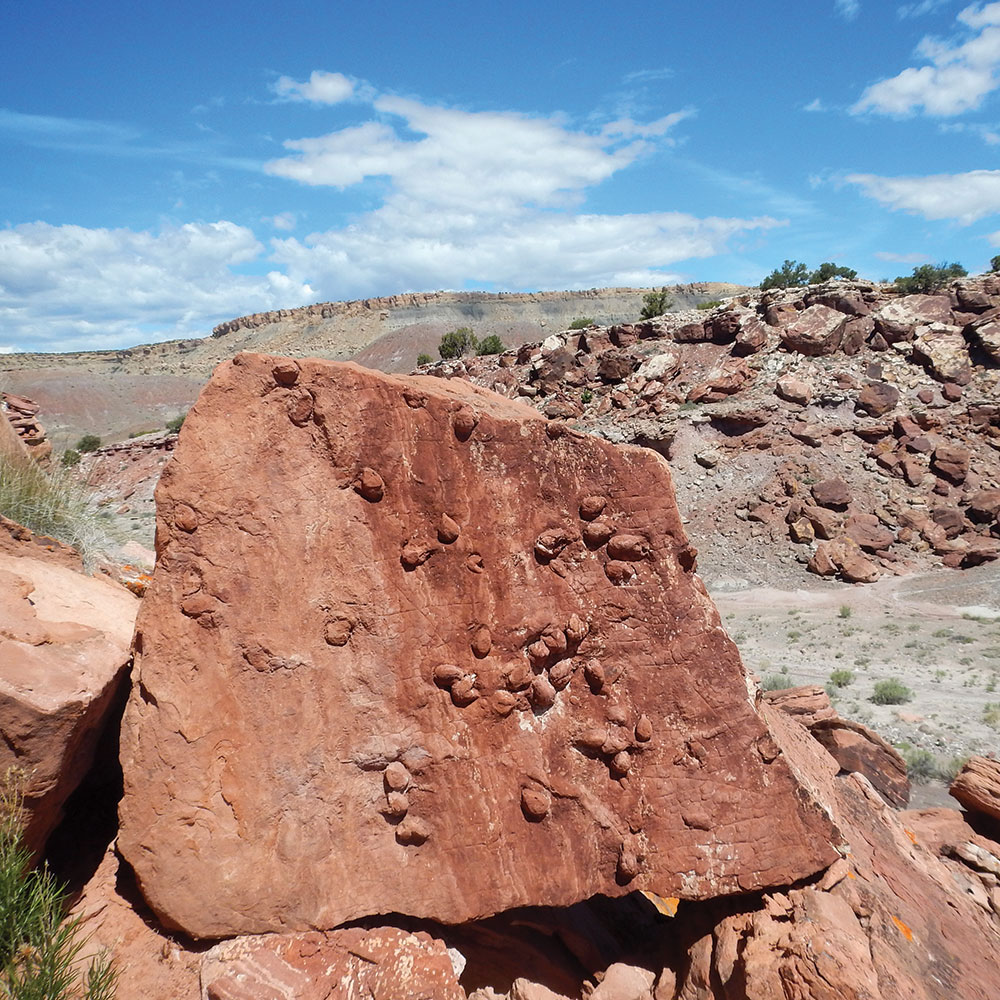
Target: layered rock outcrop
x=410 y=648
x=22 y=416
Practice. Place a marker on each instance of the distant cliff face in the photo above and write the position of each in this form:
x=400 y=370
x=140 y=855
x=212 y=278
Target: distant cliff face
x=391 y=331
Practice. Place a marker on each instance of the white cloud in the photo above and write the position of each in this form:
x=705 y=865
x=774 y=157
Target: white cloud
x=848 y=9
x=285 y=221
x=901 y=258
x=962 y=197
x=72 y=288
x=959 y=74
x=320 y=88
x=814 y=105
x=486 y=199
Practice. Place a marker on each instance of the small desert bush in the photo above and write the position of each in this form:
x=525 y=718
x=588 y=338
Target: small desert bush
x=710 y=304
x=891 y=692
x=921 y=765
x=51 y=503
x=70 y=458
x=39 y=949
x=586 y=396
x=948 y=771
x=841 y=678
x=991 y=714
x=89 y=442
x=424 y=359
x=845 y=611
x=175 y=425
x=581 y=323
x=775 y=682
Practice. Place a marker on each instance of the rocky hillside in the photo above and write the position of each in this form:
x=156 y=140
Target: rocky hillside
x=843 y=427
x=408 y=324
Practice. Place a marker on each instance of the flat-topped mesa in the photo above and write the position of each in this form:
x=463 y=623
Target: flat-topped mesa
x=411 y=648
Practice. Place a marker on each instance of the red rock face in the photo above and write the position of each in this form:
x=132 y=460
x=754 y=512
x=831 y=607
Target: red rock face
x=388 y=663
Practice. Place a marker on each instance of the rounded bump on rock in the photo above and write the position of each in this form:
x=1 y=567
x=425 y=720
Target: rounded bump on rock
x=561 y=674
x=464 y=691
x=185 y=518
x=396 y=777
x=412 y=832
x=621 y=763
x=448 y=530
x=592 y=507
x=286 y=373
x=447 y=674
x=593 y=671
x=619 y=572
x=369 y=485
x=503 y=702
x=397 y=805
x=629 y=864
x=644 y=729
x=542 y=693
x=482 y=642
x=338 y=631
x=300 y=407
x=464 y=422
x=536 y=803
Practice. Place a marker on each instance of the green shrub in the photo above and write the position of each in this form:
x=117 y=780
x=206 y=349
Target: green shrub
x=991 y=714
x=175 y=425
x=655 y=303
x=89 y=442
x=424 y=359
x=927 y=278
x=791 y=274
x=995 y=263
x=710 y=304
x=70 y=458
x=586 y=396
x=39 y=950
x=581 y=323
x=828 y=270
x=53 y=504
x=845 y=611
x=891 y=692
x=948 y=771
x=921 y=765
x=490 y=345
x=841 y=678
x=457 y=343
x=775 y=682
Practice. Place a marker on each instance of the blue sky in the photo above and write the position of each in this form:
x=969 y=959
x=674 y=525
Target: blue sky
x=168 y=166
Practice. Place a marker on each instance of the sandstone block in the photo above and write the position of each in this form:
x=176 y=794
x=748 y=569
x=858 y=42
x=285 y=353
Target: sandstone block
x=257 y=755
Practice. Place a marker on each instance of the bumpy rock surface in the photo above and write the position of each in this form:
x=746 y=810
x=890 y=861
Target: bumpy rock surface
x=411 y=648
x=64 y=649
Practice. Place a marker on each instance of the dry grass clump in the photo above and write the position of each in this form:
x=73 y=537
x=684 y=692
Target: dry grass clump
x=52 y=503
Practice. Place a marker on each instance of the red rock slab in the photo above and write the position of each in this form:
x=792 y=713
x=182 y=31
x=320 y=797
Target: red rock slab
x=335 y=714
x=382 y=963
x=64 y=649
x=977 y=786
x=856 y=748
x=807 y=704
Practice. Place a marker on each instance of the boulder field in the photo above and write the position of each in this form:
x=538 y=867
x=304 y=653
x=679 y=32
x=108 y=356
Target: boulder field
x=842 y=427
x=428 y=701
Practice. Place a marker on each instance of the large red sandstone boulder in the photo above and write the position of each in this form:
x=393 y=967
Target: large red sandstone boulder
x=942 y=350
x=814 y=331
x=410 y=648
x=64 y=649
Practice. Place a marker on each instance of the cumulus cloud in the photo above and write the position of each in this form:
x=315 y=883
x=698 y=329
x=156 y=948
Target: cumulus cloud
x=957 y=75
x=320 y=88
x=487 y=198
x=848 y=9
x=72 y=288
x=962 y=197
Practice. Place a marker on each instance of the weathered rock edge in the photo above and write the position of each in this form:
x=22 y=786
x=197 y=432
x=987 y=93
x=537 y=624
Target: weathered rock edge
x=409 y=647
